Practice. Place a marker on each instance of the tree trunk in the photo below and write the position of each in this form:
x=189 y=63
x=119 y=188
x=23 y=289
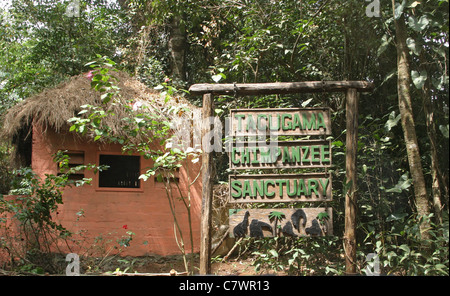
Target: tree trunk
x=406 y=111
x=351 y=147
x=435 y=171
x=177 y=49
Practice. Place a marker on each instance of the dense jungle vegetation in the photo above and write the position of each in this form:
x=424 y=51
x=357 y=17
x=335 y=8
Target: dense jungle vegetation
x=400 y=46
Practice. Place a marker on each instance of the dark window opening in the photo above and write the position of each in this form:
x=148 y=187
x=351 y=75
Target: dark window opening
x=23 y=144
x=123 y=171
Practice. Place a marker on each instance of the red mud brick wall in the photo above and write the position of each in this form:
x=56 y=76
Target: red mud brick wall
x=110 y=213
x=10 y=241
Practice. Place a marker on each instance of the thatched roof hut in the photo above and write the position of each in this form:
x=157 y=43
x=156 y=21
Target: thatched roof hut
x=117 y=198
x=52 y=108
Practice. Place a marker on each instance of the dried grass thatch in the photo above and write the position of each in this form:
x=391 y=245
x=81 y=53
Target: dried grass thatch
x=52 y=108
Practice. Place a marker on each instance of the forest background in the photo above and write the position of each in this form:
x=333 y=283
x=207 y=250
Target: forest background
x=402 y=47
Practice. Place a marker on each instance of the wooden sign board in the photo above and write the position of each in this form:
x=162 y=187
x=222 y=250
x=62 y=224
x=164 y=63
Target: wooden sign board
x=281 y=222
x=283 y=155
x=280 y=188
x=283 y=122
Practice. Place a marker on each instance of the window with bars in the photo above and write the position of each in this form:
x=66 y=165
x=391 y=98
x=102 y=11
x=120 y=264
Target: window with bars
x=123 y=171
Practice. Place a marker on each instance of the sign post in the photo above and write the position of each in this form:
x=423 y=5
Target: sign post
x=207 y=191
x=350 y=169
x=351 y=88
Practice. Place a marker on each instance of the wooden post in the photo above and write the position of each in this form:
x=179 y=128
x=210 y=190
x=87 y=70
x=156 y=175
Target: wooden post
x=350 y=168
x=207 y=182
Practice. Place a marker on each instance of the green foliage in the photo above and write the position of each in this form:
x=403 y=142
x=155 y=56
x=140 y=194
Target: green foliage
x=6 y=173
x=261 y=41
x=403 y=251
x=300 y=256
x=42 y=45
x=126 y=239
x=39 y=199
x=33 y=209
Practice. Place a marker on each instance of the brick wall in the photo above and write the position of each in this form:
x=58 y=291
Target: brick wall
x=110 y=213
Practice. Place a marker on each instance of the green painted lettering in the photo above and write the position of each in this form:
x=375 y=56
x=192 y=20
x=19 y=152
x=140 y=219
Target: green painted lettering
x=255 y=158
x=251 y=126
x=301 y=187
x=325 y=153
x=280 y=186
x=288 y=125
x=245 y=155
x=286 y=155
x=312 y=186
x=246 y=190
x=305 y=154
x=315 y=151
x=236 y=186
x=273 y=127
x=321 y=121
x=233 y=156
x=275 y=152
x=295 y=154
x=266 y=189
x=265 y=156
x=258 y=188
x=311 y=123
x=292 y=193
x=296 y=124
x=258 y=122
x=324 y=186
x=239 y=117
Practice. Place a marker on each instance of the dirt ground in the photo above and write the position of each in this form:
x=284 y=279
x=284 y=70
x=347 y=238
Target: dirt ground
x=151 y=264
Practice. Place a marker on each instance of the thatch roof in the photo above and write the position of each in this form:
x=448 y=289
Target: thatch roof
x=52 y=108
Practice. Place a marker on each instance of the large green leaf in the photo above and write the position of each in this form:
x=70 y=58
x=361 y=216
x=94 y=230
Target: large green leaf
x=444 y=130
x=413 y=46
x=392 y=121
x=399 y=9
x=419 y=78
x=396 y=216
x=384 y=44
x=418 y=25
x=403 y=184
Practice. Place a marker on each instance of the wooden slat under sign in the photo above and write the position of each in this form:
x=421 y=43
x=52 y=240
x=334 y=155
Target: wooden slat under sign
x=281 y=122
x=308 y=187
x=281 y=222
x=280 y=155
x=243 y=89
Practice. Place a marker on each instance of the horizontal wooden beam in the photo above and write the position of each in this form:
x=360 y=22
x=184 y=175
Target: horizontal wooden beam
x=279 y=87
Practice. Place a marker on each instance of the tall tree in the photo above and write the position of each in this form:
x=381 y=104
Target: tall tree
x=43 y=44
x=407 y=118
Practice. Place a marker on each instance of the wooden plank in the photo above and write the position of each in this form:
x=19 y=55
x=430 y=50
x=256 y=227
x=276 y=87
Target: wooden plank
x=280 y=122
x=280 y=155
x=350 y=169
x=309 y=187
x=242 y=89
x=293 y=222
x=207 y=192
